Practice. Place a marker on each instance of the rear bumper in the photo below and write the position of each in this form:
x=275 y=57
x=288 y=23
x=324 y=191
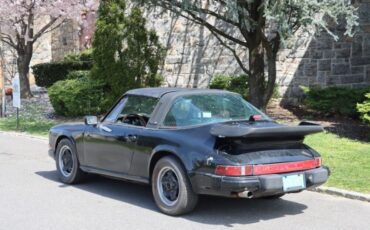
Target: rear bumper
x=259 y=186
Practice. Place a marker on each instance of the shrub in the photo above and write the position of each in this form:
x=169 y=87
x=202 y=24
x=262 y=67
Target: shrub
x=85 y=56
x=78 y=74
x=238 y=84
x=46 y=74
x=334 y=100
x=77 y=97
x=364 y=109
x=126 y=54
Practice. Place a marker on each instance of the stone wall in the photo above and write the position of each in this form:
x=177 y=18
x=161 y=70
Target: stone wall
x=72 y=36
x=65 y=40
x=194 y=56
x=325 y=62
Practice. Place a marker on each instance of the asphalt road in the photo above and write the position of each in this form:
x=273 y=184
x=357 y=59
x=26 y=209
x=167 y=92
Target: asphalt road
x=31 y=197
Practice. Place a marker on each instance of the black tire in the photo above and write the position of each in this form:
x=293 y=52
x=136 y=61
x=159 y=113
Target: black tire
x=75 y=174
x=186 y=198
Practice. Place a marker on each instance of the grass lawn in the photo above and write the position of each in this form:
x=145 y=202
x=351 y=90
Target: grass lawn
x=349 y=161
x=31 y=121
x=34 y=126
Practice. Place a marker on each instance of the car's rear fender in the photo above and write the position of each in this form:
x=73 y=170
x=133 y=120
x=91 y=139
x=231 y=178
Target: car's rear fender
x=167 y=150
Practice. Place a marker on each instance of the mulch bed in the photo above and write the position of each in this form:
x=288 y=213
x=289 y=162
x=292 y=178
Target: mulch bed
x=339 y=125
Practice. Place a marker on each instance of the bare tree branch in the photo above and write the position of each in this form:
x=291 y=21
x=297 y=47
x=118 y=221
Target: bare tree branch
x=44 y=28
x=233 y=52
x=201 y=21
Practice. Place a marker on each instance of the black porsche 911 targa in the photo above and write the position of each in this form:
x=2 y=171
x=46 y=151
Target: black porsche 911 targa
x=185 y=142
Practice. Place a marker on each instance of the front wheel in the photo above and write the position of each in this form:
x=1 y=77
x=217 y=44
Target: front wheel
x=171 y=188
x=67 y=163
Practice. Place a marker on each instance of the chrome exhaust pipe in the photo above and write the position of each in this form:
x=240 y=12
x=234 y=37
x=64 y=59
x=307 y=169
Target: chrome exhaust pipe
x=245 y=194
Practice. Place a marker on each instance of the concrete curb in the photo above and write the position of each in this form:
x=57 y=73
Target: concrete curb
x=342 y=193
x=21 y=134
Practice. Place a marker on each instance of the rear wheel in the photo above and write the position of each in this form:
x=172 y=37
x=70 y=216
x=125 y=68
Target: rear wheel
x=67 y=163
x=171 y=188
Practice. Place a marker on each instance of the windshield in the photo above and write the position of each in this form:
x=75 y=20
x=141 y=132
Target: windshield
x=209 y=108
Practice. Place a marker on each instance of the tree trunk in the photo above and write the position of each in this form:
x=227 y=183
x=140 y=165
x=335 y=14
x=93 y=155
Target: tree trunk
x=270 y=85
x=257 y=77
x=23 y=61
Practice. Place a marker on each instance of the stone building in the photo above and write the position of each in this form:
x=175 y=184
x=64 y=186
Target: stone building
x=194 y=56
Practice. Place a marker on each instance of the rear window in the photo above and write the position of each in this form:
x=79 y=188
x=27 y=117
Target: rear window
x=209 y=108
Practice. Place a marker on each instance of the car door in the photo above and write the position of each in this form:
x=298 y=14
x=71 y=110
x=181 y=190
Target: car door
x=111 y=144
x=110 y=147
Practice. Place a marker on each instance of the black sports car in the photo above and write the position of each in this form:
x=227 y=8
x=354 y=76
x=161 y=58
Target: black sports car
x=186 y=142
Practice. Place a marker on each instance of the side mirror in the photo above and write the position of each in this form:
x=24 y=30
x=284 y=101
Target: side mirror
x=91 y=120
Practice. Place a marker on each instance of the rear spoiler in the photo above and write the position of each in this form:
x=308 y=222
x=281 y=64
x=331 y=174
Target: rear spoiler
x=229 y=130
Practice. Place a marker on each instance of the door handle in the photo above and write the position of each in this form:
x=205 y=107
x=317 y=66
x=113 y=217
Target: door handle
x=105 y=128
x=131 y=138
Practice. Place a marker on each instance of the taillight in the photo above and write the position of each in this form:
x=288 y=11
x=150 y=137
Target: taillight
x=318 y=161
x=224 y=170
x=264 y=169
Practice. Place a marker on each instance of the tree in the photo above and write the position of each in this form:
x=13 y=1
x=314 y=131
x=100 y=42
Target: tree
x=19 y=32
x=126 y=55
x=261 y=26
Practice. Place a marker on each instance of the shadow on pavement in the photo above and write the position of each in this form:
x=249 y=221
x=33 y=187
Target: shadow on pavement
x=210 y=210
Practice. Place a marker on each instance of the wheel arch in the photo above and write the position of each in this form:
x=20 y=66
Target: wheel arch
x=159 y=155
x=60 y=138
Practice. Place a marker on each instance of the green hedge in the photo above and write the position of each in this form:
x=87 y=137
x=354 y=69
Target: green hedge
x=77 y=97
x=335 y=100
x=85 y=56
x=46 y=74
x=364 y=109
x=238 y=84
x=78 y=74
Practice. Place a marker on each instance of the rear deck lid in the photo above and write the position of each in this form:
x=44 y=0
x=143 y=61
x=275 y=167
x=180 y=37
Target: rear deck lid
x=263 y=129
x=263 y=142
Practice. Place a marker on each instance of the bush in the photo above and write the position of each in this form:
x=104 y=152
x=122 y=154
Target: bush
x=238 y=84
x=46 y=74
x=364 y=109
x=78 y=74
x=334 y=100
x=85 y=56
x=77 y=97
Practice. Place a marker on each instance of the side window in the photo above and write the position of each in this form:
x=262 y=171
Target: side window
x=113 y=115
x=133 y=110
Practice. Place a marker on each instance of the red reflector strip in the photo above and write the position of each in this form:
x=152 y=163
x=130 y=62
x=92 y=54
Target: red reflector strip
x=286 y=167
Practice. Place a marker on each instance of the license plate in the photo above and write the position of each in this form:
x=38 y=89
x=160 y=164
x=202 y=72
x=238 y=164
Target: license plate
x=294 y=182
